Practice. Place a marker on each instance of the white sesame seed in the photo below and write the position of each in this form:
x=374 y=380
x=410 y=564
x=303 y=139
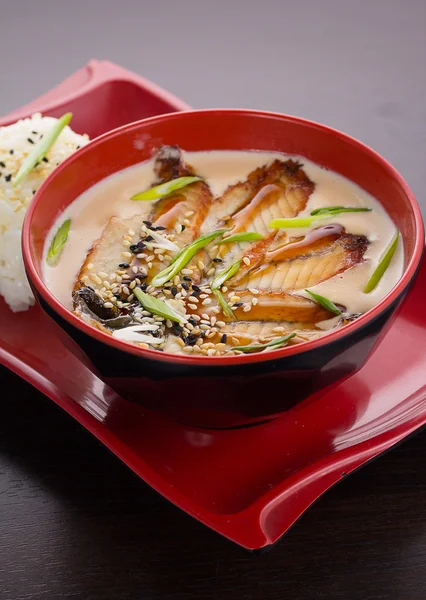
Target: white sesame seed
x=192 y=306
x=246 y=260
x=235 y=340
x=247 y=308
x=216 y=310
x=176 y=280
x=186 y=271
x=213 y=320
x=204 y=327
x=178 y=228
x=113 y=277
x=234 y=298
x=205 y=316
x=161 y=257
x=131 y=297
x=85 y=278
x=220 y=323
x=128 y=238
x=135 y=269
x=95 y=278
x=200 y=265
x=211 y=352
x=188 y=349
x=90 y=266
x=169 y=323
x=141 y=255
x=131 y=232
x=206 y=301
x=254 y=291
x=278 y=329
x=186 y=222
x=126 y=254
x=107 y=284
x=150 y=265
x=211 y=271
x=108 y=305
x=254 y=301
x=189 y=213
x=132 y=285
x=126 y=243
x=224 y=289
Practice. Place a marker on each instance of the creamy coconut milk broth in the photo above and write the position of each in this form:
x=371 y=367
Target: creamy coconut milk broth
x=90 y=213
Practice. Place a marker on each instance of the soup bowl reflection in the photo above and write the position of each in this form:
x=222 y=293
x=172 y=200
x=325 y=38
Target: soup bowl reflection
x=238 y=390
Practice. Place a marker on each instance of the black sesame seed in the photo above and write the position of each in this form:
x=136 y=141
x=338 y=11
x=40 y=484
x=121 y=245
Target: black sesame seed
x=142 y=275
x=160 y=228
x=196 y=288
x=8 y=177
x=77 y=147
x=2 y=164
x=177 y=329
x=149 y=238
x=190 y=339
x=124 y=265
x=34 y=191
x=134 y=248
x=117 y=296
x=183 y=228
x=237 y=304
x=192 y=321
x=143 y=286
x=36 y=165
x=141 y=245
x=185 y=286
x=195 y=293
x=11 y=151
x=45 y=159
x=35 y=132
x=30 y=140
x=217 y=260
x=223 y=339
x=147 y=223
x=186 y=278
x=174 y=290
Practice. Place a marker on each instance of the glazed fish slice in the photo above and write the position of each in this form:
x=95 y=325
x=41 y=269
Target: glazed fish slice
x=297 y=266
x=185 y=210
x=281 y=189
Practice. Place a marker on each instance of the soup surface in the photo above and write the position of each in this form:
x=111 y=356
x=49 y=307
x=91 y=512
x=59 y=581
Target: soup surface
x=302 y=258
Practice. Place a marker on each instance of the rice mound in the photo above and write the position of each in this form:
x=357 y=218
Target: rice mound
x=16 y=142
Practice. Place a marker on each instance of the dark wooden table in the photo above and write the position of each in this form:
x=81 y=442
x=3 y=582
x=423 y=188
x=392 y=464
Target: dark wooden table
x=76 y=524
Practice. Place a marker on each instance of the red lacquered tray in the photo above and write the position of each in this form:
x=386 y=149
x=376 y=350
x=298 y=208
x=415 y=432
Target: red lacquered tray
x=250 y=485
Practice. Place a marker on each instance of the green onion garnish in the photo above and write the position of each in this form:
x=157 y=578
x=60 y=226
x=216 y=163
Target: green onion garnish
x=227 y=310
x=41 y=148
x=277 y=343
x=245 y=236
x=383 y=265
x=184 y=256
x=317 y=214
x=334 y=210
x=325 y=302
x=224 y=275
x=157 y=307
x=58 y=243
x=164 y=189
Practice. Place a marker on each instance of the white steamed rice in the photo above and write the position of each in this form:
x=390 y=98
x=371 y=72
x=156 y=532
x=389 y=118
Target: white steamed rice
x=14 y=201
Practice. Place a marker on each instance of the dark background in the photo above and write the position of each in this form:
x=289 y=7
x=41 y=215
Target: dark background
x=75 y=523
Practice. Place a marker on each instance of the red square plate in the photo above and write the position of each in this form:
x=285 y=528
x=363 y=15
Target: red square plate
x=251 y=484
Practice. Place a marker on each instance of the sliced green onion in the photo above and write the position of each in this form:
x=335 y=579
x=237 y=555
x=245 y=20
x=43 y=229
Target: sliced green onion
x=291 y=223
x=164 y=189
x=224 y=275
x=227 y=310
x=277 y=343
x=245 y=236
x=183 y=257
x=41 y=148
x=383 y=265
x=325 y=302
x=58 y=243
x=333 y=210
x=317 y=214
x=157 y=307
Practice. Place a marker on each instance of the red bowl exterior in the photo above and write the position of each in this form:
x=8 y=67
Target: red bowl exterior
x=224 y=391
